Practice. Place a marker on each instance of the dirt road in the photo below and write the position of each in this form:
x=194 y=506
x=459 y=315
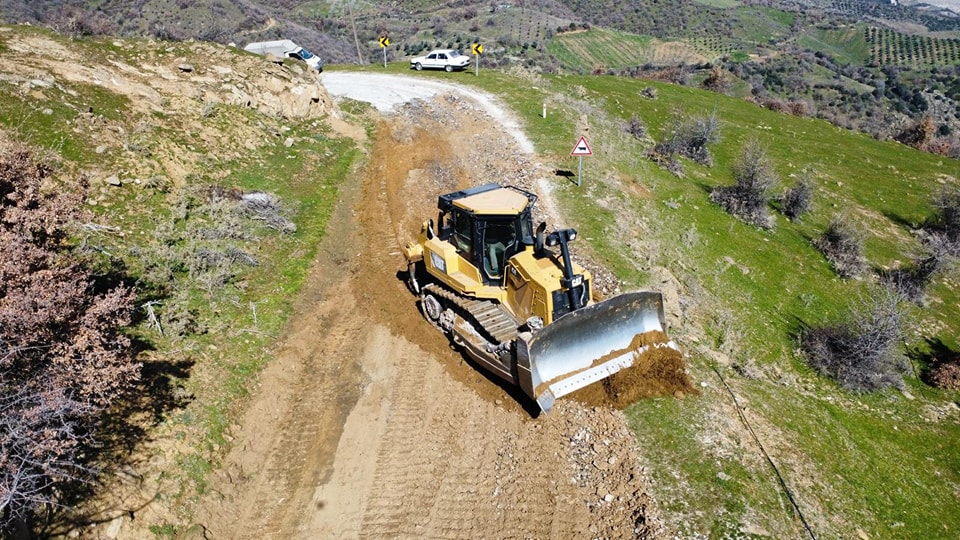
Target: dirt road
x=368 y=425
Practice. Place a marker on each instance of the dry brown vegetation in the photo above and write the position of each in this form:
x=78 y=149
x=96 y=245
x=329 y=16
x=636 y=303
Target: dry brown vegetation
x=63 y=356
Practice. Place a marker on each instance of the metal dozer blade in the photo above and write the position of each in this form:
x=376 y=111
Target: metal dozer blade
x=590 y=344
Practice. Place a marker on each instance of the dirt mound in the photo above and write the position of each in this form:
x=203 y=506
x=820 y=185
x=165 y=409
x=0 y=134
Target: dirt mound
x=658 y=370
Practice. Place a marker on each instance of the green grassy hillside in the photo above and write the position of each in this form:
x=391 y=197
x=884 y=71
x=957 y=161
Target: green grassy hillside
x=877 y=465
x=600 y=49
x=158 y=133
x=885 y=464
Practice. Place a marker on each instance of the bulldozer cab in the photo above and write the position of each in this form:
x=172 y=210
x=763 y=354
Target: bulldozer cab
x=487 y=225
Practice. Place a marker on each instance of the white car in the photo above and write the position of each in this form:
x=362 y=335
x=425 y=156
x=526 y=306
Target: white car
x=448 y=59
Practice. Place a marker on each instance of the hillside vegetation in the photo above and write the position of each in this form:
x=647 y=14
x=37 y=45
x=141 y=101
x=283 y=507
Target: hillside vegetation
x=863 y=65
x=171 y=141
x=850 y=461
x=206 y=177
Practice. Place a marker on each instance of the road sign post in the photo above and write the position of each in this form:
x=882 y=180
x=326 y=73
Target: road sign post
x=384 y=43
x=581 y=149
x=477 y=51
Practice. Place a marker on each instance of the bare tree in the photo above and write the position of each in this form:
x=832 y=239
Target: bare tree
x=748 y=198
x=688 y=137
x=861 y=350
x=946 y=220
x=941 y=249
x=842 y=245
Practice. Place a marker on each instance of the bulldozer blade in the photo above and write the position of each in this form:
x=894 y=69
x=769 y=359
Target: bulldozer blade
x=589 y=345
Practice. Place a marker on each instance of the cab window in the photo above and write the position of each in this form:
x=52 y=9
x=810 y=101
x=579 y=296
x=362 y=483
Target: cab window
x=499 y=238
x=463 y=234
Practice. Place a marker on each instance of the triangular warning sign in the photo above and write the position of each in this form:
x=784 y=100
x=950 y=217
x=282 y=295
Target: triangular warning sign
x=582 y=148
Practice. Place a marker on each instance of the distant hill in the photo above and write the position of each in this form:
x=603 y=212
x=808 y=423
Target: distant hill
x=866 y=65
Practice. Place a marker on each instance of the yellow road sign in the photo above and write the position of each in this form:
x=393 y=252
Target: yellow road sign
x=384 y=41
x=477 y=48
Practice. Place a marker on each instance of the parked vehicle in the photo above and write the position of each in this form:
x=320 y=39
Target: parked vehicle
x=448 y=59
x=285 y=48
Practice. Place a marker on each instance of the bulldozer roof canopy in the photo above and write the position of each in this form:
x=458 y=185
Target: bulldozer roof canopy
x=500 y=201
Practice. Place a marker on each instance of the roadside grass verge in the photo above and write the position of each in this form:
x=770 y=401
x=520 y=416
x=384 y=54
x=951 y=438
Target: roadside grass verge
x=159 y=218
x=244 y=319
x=886 y=463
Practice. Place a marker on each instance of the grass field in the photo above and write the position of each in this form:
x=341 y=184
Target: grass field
x=599 y=49
x=847 y=45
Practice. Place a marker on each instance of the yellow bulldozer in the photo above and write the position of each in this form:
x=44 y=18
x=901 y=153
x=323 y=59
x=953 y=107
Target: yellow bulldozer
x=512 y=299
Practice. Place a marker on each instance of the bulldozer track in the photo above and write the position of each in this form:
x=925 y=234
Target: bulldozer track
x=491 y=317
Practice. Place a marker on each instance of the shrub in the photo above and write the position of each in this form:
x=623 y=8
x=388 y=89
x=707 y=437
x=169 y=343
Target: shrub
x=798 y=199
x=945 y=374
x=636 y=127
x=842 y=245
x=920 y=134
x=941 y=241
x=946 y=220
x=861 y=351
x=912 y=280
x=689 y=138
x=718 y=81
x=748 y=198
x=63 y=356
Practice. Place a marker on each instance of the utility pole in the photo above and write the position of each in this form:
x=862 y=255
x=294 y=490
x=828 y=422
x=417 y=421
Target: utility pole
x=356 y=40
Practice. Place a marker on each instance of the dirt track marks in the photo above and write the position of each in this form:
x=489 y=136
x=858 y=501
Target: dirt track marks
x=369 y=426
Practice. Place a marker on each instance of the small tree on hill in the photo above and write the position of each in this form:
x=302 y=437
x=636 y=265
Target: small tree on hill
x=941 y=249
x=718 y=80
x=946 y=220
x=688 y=137
x=798 y=199
x=842 y=245
x=748 y=198
x=63 y=358
x=861 y=351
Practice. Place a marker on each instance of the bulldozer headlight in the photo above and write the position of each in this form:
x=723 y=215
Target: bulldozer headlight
x=553 y=239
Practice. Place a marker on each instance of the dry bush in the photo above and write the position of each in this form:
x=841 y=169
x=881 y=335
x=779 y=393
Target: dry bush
x=267 y=208
x=798 y=108
x=797 y=200
x=636 y=127
x=861 y=351
x=920 y=134
x=946 y=374
x=941 y=249
x=842 y=245
x=913 y=280
x=946 y=220
x=687 y=137
x=718 y=80
x=748 y=198
x=63 y=356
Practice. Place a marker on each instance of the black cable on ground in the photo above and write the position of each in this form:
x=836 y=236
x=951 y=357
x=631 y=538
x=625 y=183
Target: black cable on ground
x=776 y=470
